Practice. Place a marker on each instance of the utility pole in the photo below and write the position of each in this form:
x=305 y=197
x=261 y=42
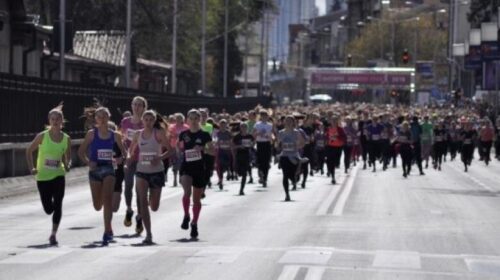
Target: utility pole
x=247 y=47
x=62 y=43
x=261 y=72
x=128 y=51
x=451 y=27
x=174 y=52
x=203 y=50
x=226 y=26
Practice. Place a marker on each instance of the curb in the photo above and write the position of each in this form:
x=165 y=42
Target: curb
x=15 y=186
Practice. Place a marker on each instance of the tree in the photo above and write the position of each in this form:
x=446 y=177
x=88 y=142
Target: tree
x=375 y=41
x=152 y=28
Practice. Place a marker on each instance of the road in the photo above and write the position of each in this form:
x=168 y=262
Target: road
x=445 y=225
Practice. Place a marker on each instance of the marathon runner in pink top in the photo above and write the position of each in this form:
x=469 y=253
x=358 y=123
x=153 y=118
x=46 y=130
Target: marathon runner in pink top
x=129 y=126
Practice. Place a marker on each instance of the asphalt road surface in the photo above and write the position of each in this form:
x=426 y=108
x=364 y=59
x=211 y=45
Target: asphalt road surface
x=445 y=225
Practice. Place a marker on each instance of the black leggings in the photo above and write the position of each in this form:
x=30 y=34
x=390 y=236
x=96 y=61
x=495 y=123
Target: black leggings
x=289 y=173
x=333 y=155
x=406 y=157
x=52 y=194
x=347 y=156
x=264 y=153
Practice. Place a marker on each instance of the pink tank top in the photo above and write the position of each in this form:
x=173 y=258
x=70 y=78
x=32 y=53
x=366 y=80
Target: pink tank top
x=128 y=130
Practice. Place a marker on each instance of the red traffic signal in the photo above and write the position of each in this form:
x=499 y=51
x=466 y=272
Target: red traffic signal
x=406 y=57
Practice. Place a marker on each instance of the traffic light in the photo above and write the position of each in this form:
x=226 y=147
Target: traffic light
x=406 y=56
x=349 y=60
x=394 y=93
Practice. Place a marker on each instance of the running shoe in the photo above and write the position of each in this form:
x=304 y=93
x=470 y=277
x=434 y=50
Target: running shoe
x=287 y=198
x=194 y=231
x=128 y=218
x=250 y=181
x=203 y=195
x=148 y=240
x=139 y=228
x=242 y=193
x=333 y=181
x=303 y=185
x=106 y=238
x=53 y=240
x=221 y=187
x=185 y=222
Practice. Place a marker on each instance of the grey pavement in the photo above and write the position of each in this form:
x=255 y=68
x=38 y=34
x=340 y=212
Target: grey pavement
x=445 y=225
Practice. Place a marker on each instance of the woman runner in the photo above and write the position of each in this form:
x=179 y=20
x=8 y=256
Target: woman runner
x=53 y=161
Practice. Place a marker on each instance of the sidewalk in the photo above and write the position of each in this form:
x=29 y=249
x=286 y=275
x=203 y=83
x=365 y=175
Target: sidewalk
x=25 y=184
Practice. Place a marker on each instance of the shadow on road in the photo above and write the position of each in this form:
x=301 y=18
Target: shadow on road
x=128 y=236
x=41 y=246
x=80 y=228
x=143 y=245
x=186 y=240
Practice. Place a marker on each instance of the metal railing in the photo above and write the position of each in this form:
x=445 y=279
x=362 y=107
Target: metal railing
x=25 y=102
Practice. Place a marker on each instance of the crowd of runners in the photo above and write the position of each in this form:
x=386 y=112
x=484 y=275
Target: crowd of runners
x=302 y=141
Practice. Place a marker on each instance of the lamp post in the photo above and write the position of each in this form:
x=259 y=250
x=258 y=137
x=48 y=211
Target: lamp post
x=489 y=35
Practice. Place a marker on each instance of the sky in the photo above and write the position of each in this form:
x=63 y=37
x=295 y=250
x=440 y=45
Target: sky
x=321 y=4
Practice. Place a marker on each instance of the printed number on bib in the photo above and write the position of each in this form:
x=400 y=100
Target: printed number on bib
x=192 y=155
x=439 y=138
x=130 y=134
x=320 y=143
x=288 y=147
x=52 y=163
x=468 y=141
x=147 y=158
x=105 y=154
x=247 y=143
x=375 y=137
x=224 y=145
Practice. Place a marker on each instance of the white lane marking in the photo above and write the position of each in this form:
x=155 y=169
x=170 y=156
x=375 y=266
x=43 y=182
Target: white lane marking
x=315 y=273
x=36 y=256
x=475 y=180
x=339 y=207
x=215 y=255
x=323 y=208
x=485 y=267
x=397 y=259
x=289 y=272
x=398 y=271
x=306 y=257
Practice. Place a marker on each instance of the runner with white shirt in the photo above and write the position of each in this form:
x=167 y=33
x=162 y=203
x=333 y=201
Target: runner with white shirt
x=263 y=133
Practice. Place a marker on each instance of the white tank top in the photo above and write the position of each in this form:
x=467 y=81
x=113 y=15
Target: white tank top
x=148 y=150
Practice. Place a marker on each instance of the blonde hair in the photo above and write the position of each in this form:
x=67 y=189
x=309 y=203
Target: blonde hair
x=143 y=100
x=103 y=110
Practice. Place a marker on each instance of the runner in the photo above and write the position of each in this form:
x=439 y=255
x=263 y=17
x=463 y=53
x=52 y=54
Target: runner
x=53 y=161
x=416 y=132
x=150 y=176
x=427 y=140
x=194 y=143
x=468 y=137
x=129 y=126
x=263 y=133
x=207 y=126
x=224 y=156
x=405 y=149
x=290 y=140
x=351 y=134
x=486 y=136
x=101 y=172
x=175 y=130
x=336 y=138
x=375 y=130
x=320 y=147
x=243 y=143
x=439 y=146
x=308 y=149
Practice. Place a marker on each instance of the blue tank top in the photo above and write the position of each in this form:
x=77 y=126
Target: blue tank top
x=101 y=150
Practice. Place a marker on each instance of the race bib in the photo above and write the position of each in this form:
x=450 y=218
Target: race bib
x=403 y=138
x=247 y=143
x=452 y=134
x=467 y=141
x=349 y=139
x=289 y=147
x=131 y=133
x=425 y=137
x=333 y=138
x=147 y=158
x=192 y=155
x=105 y=154
x=375 y=137
x=224 y=145
x=320 y=143
x=439 y=138
x=52 y=163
